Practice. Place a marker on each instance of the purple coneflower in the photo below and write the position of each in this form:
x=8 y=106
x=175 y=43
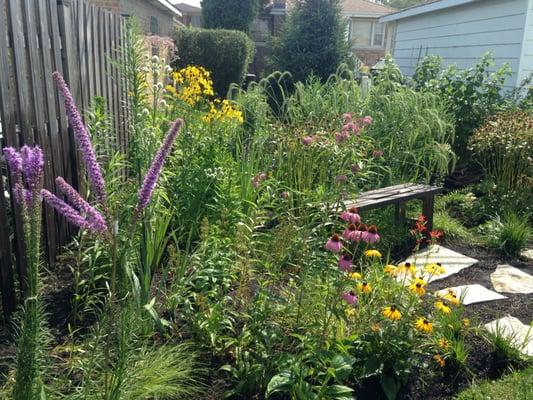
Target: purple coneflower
x=371 y=235
x=152 y=175
x=345 y=262
x=308 y=140
x=351 y=215
x=350 y=297
x=361 y=230
x=350 y=233
x=334 y=244
x=92 y=216
x=84 y=140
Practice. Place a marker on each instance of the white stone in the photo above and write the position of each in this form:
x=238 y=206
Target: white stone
x=452 y=261
x=470 y=294
x=520 y=335
x=527 y=254
x=508 y=279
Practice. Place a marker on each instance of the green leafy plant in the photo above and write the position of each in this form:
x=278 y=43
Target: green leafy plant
x=232 y=14
x=508 y=235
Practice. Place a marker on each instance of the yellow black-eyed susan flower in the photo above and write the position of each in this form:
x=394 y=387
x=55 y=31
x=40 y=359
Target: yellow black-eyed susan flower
x=466 y=322
x=354 y=276
x=365 y=287
x=423 y=325
x=439 y=360
x=435 y=269
x=451 y=297
x=439 y=305
x=406 y=268
x=372 y=253
x=417 y=286
x=392 y=313
x=443 y=343
x=390 y=269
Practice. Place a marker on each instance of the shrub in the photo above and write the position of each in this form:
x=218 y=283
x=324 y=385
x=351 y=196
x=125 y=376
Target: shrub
x=472 y=93
x=223 y=52
x=229 y=14
x=504 y=148
x=312 y=41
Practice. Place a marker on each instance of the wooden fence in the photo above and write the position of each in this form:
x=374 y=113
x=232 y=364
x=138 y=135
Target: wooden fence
x=38 y=37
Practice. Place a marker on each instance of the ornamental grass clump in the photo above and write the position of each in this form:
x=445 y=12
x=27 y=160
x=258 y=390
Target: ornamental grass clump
x=26 y=169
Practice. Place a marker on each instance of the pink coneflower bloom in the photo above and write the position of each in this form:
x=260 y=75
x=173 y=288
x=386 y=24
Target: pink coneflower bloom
x=347 y=117
x=341 y=137
x=334 y=244
x=350 y=297
x=350 y=233
x=355 y=168
x=341 y=178
x=371 y=235
x=366 y=120
x=361 y=230
x=308 y=140
x=351 y=215
x=377 y=153
x=345 y=262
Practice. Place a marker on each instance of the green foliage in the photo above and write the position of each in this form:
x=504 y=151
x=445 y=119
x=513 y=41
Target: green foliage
x=517 y=385
x=452 y=228
x=506 y=348
x=312 y=41
x=472 y=94
x=414 y=130
x=399 y=4
x=509 y=236
x=504 y=148
x=229 y=14
x=223 y=52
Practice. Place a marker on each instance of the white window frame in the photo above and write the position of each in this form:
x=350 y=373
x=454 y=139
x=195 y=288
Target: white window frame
x=372 y=33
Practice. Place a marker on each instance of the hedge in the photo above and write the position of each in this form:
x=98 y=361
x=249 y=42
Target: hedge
x=225 y=53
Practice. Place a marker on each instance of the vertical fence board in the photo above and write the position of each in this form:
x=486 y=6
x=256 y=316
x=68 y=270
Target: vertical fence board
x=38 y=37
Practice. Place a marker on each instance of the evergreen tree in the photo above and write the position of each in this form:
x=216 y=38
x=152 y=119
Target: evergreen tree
x=399 y=4
x=229 y=14
x=312 y=41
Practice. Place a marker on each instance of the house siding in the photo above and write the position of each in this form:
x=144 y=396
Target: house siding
x=526 y=60
x=462 y=34
x=144 y=10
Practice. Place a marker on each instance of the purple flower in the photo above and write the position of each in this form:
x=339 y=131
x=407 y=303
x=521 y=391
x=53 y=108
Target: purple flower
x=351 y=215
x=366 y=120
x=350 y=297
x=93 y=217
x=65 y=210
x=26 y=167
x=257 y=179
x=351 y=127
x=347 y=117
x=334 y=244
x=345 y=262
x=84 y=141
x=355 y=168
x=377 y=153
x=308 y=140
x=341 y=137
x=350 y=233
x=341 y=178
x=151 y=177
x=371 y=235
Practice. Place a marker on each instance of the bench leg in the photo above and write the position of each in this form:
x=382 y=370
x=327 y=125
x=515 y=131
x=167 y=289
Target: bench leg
x=428 y=204
x=399 y=214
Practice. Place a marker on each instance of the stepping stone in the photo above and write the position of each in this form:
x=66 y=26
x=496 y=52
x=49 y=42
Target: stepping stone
x=470 y=294
x=508 y=279
x=527 y=254
x=520 y=335
x=452 y=261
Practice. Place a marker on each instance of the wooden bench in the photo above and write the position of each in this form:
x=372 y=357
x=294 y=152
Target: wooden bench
x=398 y=195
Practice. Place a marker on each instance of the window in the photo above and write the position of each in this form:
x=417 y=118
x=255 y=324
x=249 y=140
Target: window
x=196 y=21
x=367 y=33
x=154 y=26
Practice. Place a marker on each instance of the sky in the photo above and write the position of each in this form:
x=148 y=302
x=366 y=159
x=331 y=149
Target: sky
x=191 y=2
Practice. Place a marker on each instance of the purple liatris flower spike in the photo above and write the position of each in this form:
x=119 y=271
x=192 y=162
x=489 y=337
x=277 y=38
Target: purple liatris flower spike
x=151 y=177
x=65 y=210
x=84 y=141
x=92 y=216
x=14 y=161
x=32 y=166
x=26 y=168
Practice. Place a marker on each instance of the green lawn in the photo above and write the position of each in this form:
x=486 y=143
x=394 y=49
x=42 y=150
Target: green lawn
x=515 y=386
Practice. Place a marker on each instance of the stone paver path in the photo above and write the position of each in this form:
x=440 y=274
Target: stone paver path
x=519 y=334
x=508 y=279
x=470 y=294
x=527 y=254
x=452 y=261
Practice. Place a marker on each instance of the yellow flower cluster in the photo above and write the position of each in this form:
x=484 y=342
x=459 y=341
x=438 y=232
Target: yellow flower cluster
x=191 y=84
x=223 y=110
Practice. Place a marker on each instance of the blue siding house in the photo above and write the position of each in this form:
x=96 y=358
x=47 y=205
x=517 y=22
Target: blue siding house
x=461 y=31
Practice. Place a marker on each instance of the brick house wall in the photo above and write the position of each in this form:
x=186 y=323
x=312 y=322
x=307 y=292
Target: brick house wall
x=153 y=19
